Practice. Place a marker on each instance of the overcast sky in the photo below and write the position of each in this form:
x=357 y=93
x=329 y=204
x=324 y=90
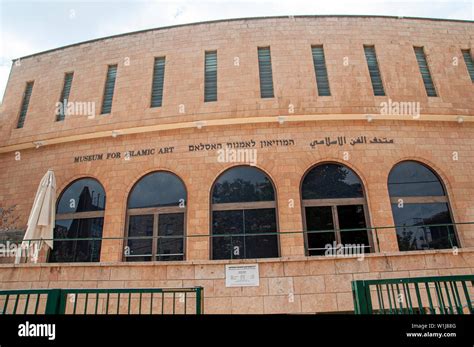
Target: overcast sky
x=29 y=26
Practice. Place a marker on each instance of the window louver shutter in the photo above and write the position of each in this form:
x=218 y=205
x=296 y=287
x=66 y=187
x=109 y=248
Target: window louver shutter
x=468 y=59
x=24 y=104
x=109 y=89
x=374 y=71
x=210 y=77
x=158 y=82
x=322 y=80
x=425 y=71
x=265 y=71
x=65 y=96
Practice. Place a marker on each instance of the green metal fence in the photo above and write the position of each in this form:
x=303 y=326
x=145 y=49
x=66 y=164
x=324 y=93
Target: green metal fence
x=420 y=295
x=103 y=301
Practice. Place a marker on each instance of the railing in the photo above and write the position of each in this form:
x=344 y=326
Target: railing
x=103 y=301
x=358 y=240
x=421 y=295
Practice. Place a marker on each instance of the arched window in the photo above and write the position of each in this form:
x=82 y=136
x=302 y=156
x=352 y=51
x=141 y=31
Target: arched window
x=156 y=212
x=420 y=208
x=79 y=215
x=244 y=222
x=334 y=210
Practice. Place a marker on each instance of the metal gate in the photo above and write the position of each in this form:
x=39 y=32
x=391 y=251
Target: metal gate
x=103 y=301
x=419 y=295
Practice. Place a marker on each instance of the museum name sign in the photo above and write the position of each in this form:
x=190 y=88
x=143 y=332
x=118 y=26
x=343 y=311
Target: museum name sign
x=272 y=143
x=126 y=155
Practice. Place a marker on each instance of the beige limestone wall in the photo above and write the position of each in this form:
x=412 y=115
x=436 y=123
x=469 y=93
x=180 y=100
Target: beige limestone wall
x=432 y=143
x=290 y=40
x=319 y=284
x=296 y=285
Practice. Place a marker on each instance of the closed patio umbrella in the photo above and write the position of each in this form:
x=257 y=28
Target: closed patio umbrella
x=41 y=221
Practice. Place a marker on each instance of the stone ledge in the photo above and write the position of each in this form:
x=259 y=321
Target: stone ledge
x=467 y=250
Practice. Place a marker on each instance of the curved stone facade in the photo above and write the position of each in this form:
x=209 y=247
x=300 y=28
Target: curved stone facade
x=289 y=133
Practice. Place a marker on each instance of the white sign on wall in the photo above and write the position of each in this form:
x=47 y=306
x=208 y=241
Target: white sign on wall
x=242 y=275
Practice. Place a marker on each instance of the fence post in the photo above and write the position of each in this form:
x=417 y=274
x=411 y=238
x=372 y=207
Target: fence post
x=199 y=300
x=52 y=301
x=362 y=299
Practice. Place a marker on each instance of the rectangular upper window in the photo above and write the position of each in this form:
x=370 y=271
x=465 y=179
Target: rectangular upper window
x=374 y=71
x=322 y=80
x=109 y=89
x=210 y=76
x=468 y=60
x=64 y=96
x=425 y=71
x=265 y=71
x=158 y=82
x=24 y=104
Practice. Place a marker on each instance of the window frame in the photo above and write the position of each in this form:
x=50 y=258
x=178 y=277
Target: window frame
x=468 y=51
x=259 y=48
x=334 y=203
x=237 y=206
x=382 y=81
x=315 y=72
x=104 y=89
x=427 y=199
x=64 y=115
x=428 y=67
x=79 y=215
x=156 y=212
x=22 y=102
x=153 y=82
x=212 y=51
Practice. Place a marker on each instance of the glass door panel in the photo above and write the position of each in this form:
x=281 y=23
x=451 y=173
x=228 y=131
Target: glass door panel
x=260 y=221
x=170 y=242
x=140 y=233
x=227 y=223
x=353 y=217
x=319 y=218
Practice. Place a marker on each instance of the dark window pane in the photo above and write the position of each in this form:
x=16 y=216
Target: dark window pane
x=227 y=223
x=242 y=184
x=157 y=189
x=374 y=70
x=171 y=228
x=82 y=196
x=210 y=76
x=65 y=96
x=260 y=221
x=319 y=63
x=24 y=104
x=425 y=71
x=158 y=82
x=319 y=219
x=109 y=89
x=410 y=178
x=77 y=250
x=469 y=64
x=352 y=217
x=265 y=72
x=140 y=233
x=414 y=232
x=245 y=223
x=331 y=181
